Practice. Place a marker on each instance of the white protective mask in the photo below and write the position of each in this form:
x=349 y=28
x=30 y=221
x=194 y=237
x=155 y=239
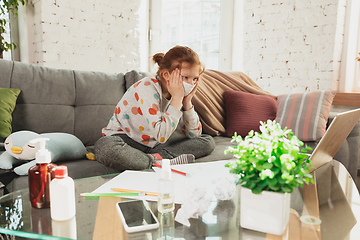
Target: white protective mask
x=188 y=88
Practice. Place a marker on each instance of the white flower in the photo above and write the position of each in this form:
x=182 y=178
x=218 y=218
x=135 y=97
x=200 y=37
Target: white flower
x=256 y=139
x=262 y=128
x=267 y=173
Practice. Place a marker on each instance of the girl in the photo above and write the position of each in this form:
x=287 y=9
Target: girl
x=150 y=111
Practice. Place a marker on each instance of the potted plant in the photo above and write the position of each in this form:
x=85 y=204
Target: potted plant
x=8 y=6
x=269 y=166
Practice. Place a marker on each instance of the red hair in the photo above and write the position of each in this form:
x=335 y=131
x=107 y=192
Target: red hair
x=175 y=57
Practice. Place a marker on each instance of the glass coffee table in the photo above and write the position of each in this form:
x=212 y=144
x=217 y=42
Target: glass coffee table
x=328 y=210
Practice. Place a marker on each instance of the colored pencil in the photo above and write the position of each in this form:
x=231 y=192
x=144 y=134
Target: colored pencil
x=117 y=194
x=173 y=170
x=134 y=191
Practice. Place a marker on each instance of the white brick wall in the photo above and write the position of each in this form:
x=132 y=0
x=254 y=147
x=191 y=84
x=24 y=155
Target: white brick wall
x=289 y=46
x=87 y=34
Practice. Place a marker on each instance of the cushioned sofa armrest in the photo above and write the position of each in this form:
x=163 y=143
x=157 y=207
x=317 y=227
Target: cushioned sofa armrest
x=133 y=76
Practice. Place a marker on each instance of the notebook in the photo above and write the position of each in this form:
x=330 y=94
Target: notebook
x=334 y=137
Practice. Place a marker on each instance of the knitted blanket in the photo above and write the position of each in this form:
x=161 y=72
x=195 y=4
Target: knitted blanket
x=209 y=97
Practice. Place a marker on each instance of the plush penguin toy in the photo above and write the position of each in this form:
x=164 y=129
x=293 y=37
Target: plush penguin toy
x=21 y=148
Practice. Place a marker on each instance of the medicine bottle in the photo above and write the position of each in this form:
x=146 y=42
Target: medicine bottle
x=40 y=176
x=62 y=195
x=166 y=189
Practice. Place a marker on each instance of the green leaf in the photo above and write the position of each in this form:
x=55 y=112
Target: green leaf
x=275 y=170
x=256 y=190
x=303 y=150
x=267 y=165
x=259 y=166
x=250 y=185
x=287 y=188
x=281 y=180
x=262 y=184
x=275 y=188
x=251 y=175
x=272 y=181
x=277 y=163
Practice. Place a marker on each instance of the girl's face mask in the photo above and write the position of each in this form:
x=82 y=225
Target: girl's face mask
x=188 y=88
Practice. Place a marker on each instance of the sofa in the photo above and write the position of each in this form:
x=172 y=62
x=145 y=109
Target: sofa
x=82 y=102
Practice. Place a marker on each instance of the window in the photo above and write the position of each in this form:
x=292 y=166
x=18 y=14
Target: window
x=204 y=25
x=6 y=55
x=195 y=24
x=350 y=68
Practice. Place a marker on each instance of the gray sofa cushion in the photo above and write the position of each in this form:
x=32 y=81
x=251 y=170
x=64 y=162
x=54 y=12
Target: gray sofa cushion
x=96 y=97
x=6 y=68
x=59 y=100
x=39 y=103
x=36 y=118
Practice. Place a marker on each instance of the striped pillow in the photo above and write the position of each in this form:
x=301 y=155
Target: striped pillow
x=305 y=113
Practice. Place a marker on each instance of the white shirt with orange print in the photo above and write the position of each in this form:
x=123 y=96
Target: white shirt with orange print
x=148 y=118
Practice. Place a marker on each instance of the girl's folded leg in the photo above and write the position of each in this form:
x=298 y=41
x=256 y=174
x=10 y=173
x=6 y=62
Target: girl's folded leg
x=199 y=147
x=114 y=152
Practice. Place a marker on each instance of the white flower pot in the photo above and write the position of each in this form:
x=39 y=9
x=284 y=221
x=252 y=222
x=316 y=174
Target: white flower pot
x=266 y=212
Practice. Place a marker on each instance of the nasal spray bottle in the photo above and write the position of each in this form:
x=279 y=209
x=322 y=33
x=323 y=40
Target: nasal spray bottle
x=166 y=189
x=40 y=176
x=62 y=195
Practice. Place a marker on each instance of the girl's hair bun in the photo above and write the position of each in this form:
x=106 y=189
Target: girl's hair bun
x=175 y=57
x=158 y=57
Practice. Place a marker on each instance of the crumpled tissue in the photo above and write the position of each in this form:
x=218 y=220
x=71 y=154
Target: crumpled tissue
x=198 y=197
x=197 y=200
x=224 y=187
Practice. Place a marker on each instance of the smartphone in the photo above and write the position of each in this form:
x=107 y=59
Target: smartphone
x=136 y=216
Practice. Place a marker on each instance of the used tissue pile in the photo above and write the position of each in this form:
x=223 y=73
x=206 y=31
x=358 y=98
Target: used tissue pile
x=198 y=196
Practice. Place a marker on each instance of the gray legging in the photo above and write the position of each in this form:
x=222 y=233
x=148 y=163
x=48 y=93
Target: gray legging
x=123 y=153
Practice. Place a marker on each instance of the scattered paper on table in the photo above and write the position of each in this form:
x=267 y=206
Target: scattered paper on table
x=200 y=173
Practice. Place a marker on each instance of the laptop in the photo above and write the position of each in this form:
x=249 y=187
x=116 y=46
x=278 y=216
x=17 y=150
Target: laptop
x=334 y=137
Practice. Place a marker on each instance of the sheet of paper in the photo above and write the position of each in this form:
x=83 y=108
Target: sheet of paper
x=204 y=170
x=142 y=181
x=200 y=173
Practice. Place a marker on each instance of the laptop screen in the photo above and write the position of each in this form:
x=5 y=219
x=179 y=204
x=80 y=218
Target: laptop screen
x=334 y=137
